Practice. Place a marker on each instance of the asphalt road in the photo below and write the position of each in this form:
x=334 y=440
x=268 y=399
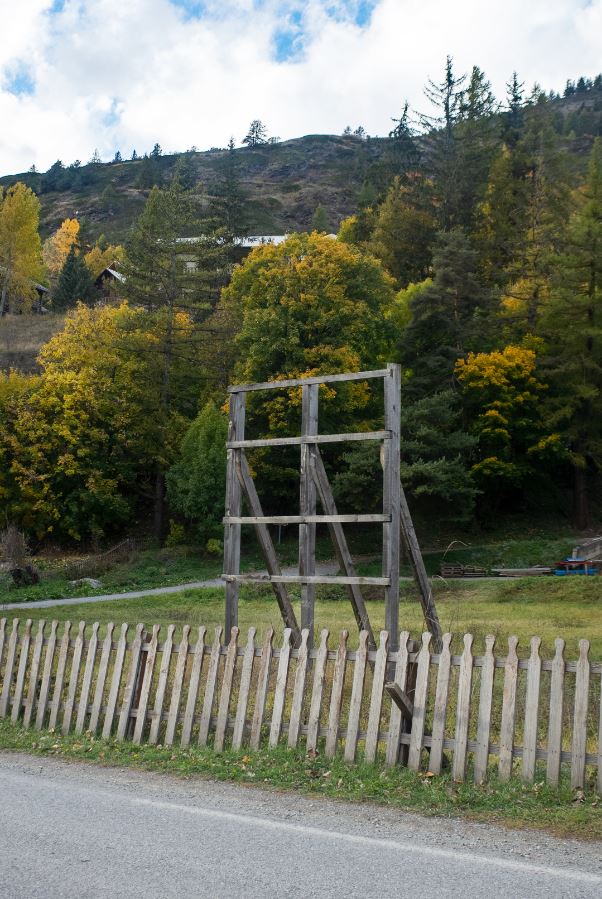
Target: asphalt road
x=71 y=830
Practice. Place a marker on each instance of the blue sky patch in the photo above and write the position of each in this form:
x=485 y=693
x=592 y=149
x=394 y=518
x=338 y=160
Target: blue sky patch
x=192 y=9
x=18 y=80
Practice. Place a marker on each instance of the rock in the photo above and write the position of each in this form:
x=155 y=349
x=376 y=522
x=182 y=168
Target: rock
x=89 y=581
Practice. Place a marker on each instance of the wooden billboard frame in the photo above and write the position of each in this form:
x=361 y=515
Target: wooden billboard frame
x=395 y=518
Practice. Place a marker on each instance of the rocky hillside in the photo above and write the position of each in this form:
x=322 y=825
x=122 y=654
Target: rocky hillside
x=283 y=183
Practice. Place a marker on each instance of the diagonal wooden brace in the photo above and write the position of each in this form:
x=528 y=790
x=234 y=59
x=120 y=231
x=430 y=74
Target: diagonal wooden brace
x=273 y=566
x=341 y=549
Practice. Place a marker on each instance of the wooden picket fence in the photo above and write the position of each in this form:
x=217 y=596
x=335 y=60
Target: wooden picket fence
x=475 y=714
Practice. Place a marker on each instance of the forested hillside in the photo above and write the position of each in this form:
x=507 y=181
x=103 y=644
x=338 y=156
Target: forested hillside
x=469 y=250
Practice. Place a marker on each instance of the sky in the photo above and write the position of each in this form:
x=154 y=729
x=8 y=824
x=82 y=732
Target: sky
x=76 y=75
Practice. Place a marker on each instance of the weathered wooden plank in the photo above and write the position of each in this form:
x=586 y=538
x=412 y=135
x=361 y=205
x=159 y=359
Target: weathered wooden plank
x=463 y=710
x=101 y=678
x=267 y=547
x=313 y=721
x=298 y=690
x=531 y=711
x=33 y=674
x=236 y=429
x=82 y=707
x=336 y=696
x=357 y=694
x=59 y=677
x=304 y=579
x=226 y=692
x=209 y=697
x=506 y=749
x=2 y=640
x=396 y=717
x=243 y=690
x=420 y=701
x=193 y=687
x=350 y=437
x=166 y=652
x=46 y=675
x=178 y=683
x=115 y=682
x=148 y=663
x=131 y=683
x=554 y=747
x=343 y=556
x=280 y=689
x=440 y=708
x=22 y=671
x=76 y=660
x=392 y=500
x=376 y=697
x=481 y=759
x=579 y=743
x=262 y=689
x=11 y=653
x=314 y=379
x=370 y=518
x=307 y=508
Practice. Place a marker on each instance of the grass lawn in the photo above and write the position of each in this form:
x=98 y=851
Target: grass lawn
x=559 y=811
x=549 y=607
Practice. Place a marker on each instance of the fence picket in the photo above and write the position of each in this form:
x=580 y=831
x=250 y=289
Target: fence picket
x=440 y=708
x=2 y=640
x=130 y=684
x=298 y=690
x=508 y=711
x=148 y=664
x=21 y=671
x=101 y=678
x=396 y=718
x=78 y=649
x=357 y=694
x=376 y=698
x=46 y=675
x=481 y=758
x=336 y=696
x=82 y=707
x=115 y=682
x=209 y=697
x=226 y=692
x=243 y=690
x=531 y=711
x=463 y=710
x=193 y=687
x=280 y=691
x=8 y=669
x=555 y=720
x=60 y=677
x=166 y=652
x=262 y=689
x=579 y=744
x=315 y=708
x=33 y=675
x=176 y=690
x=420 y=701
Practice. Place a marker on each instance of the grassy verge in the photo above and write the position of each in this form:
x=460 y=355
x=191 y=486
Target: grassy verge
x=550 y=608
x=559 y=811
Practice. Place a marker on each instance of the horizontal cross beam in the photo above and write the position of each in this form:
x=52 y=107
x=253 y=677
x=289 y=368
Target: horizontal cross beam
x=314 y=379
x=307 y=519
x=305 y=579
x=317 y=438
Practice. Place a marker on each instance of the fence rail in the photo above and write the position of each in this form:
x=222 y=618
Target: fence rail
x=473 y=713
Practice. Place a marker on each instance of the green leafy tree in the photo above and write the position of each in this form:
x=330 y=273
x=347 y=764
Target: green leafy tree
x=196 y=483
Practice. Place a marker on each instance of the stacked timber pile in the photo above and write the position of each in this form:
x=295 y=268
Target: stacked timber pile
x=456 y=569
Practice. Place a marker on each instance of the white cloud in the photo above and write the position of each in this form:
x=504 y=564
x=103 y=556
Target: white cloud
x=114 y=74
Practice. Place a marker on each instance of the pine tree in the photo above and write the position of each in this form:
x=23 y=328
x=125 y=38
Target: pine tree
x=513 y=118
x=257 y=134
x=74 y=284
x=404 y=230
x=231 y=210
x=319 y=220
